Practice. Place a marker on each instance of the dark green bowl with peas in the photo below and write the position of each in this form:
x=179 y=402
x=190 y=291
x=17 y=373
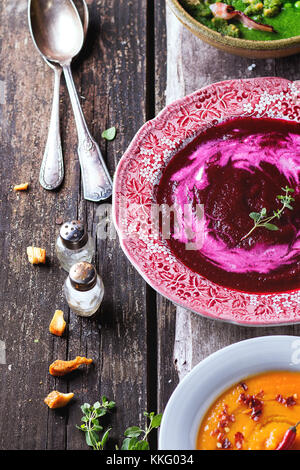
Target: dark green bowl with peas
x=232 y=36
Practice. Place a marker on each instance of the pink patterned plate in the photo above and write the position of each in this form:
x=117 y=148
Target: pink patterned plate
x=140 y=169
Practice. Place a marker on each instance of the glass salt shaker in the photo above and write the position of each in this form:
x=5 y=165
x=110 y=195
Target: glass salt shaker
x=74 y=244
x=84 y=289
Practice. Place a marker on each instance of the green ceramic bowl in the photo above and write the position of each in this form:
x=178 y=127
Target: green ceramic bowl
x=242 y=47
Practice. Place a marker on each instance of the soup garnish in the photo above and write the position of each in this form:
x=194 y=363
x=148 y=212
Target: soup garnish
x=258 y=20
x=249 y=415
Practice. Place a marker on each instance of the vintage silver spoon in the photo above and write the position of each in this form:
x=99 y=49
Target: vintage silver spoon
x=52 y=168
x=59 y=34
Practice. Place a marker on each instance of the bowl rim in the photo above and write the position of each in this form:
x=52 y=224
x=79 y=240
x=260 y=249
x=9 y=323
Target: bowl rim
x=133 y=147
x=277 y=342
x=197 y=27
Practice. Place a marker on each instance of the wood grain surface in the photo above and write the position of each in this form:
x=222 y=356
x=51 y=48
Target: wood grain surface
x=121 y=78
x=193 y=64
x=111 y=75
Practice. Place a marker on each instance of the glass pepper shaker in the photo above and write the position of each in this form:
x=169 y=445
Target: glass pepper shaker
x=84 y=289
x=74 y=244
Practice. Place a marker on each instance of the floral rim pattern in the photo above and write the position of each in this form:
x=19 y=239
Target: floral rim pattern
x=140 y=169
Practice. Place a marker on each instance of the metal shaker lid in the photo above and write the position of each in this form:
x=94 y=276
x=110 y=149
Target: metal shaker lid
x=83 y=276
x=73 y=234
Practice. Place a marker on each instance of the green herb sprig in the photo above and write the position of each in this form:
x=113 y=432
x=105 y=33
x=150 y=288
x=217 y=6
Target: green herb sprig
x=261 y=219
x=91 y=426
x=137 y=438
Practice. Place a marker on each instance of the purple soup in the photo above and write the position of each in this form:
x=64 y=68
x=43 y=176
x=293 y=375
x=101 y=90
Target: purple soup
x=233 y=169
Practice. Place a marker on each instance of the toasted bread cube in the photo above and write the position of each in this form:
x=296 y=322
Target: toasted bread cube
x=36 y=255
x=58 y=324
x=21 y=187
x=57 y=399
x=59 y=368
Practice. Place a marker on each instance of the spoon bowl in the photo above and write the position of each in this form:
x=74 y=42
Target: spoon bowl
x=57 y=28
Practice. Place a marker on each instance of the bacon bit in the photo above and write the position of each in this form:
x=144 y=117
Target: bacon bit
x=239 y=439
x=225 y=418
x=244 y=386
x=221 y=10
x=226 y=444
x=227 y=12
x=289 y=401
x=21 y=187
x=280 y=399
x=254 y=403
x=223 y=442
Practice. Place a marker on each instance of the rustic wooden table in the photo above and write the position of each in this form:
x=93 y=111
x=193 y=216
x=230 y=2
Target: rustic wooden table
x=121 y=77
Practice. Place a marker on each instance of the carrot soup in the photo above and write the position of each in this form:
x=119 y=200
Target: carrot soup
x=255 y=414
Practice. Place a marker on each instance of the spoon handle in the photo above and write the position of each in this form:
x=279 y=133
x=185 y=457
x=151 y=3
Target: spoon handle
x=52 y=169
x=97 y=184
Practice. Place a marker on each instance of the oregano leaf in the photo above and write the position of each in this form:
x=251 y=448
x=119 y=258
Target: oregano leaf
x=271 y=227
x=156 y=421
x=133 y=431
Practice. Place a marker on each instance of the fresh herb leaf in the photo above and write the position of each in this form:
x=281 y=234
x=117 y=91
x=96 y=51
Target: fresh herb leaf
x=156 y=421
x=109 y=134
x=85 y=407
x=261 y=219
x=255 y=216
x=263 y=212
x=91 y=426
x=271 y=227
x=137 y=438
x=105 y=437
x=134 y=431
x=141 y=445
x=129 y=443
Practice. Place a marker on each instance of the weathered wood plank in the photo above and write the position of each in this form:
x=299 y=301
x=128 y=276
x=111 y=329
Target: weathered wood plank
x=29 y=294
x=110 y=76
x=117 y=337
x=192 y=65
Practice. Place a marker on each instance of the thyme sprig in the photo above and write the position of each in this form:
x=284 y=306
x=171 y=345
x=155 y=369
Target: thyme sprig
x=261 y=219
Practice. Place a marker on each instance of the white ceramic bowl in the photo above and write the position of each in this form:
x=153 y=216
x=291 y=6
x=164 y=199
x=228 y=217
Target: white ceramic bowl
x=200 y=388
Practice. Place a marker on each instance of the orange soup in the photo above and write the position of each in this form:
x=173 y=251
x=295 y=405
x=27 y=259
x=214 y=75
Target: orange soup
x=254 y=414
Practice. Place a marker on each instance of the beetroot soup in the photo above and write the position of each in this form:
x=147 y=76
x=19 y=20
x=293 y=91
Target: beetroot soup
x=245 y=172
